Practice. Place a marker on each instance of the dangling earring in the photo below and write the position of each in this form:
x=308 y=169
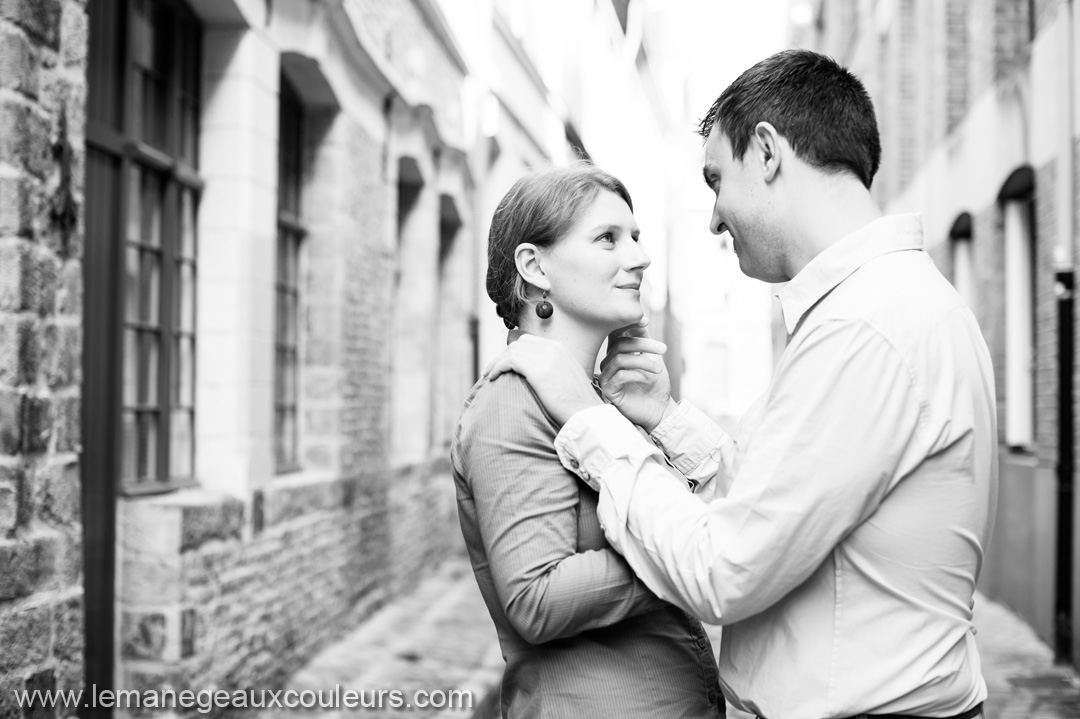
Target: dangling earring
x=543 y=308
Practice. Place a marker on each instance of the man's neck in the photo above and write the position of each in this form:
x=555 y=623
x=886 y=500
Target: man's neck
x=827 y=213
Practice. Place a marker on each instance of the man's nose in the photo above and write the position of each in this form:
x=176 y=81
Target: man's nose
x=716 y=224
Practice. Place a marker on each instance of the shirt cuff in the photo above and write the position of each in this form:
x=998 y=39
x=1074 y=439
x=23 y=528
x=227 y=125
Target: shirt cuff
x=689 y=437
x=592 y=438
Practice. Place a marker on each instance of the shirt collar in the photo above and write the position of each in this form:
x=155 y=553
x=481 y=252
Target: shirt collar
x=891 y=233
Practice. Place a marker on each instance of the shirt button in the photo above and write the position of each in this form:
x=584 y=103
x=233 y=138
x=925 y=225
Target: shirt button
x=701 y=642
x=574 y=463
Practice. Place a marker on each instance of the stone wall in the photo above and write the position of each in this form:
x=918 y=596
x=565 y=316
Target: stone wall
x=42 y=96
x=238 y=599
x=237 y=583
x=236 y=590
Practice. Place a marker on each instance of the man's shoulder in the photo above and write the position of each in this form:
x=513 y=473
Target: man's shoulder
x=897 y=292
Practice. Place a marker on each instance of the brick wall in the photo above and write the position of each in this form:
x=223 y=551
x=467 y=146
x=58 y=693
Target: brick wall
x=233 y=597
x=1046 y=316
x=930 y=77
x=988 y=254
x=981 y=45
x=896 y=102
x=42 y=97
x=1012 y=36
x=957 y=61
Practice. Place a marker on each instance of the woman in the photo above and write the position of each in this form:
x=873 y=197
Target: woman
x=581 y=635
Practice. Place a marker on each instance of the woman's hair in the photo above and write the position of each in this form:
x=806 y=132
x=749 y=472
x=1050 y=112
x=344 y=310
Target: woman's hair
x=540 y=208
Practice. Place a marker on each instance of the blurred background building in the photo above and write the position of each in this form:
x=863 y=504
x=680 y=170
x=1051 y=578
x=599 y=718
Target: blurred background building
x=242 y=249
x=979 y=104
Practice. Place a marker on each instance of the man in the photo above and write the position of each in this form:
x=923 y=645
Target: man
x=846 y=521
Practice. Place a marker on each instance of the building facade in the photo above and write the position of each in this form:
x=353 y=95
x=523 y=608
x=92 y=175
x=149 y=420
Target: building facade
x=239 y=243
x=241 y=259
x=978 y=108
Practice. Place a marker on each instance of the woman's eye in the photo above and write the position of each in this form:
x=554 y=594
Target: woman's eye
x=606 y=237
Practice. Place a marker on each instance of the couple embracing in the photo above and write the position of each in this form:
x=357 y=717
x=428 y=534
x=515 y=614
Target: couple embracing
x=837 y=537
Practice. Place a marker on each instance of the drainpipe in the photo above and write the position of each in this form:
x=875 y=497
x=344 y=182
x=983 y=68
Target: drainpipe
x=1068 y=252
x=1065 y=286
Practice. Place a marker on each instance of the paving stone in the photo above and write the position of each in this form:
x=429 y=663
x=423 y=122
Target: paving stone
x=1021 y=676
x=439 y=637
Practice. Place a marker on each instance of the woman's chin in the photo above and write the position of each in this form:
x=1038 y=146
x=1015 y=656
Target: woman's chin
x=627 y=318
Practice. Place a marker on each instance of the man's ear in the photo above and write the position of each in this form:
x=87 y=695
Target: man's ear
x=765 y=142
x=527 y=258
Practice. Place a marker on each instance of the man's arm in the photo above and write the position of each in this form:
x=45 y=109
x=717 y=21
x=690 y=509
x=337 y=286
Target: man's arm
x=835 y=434
x=697 y=447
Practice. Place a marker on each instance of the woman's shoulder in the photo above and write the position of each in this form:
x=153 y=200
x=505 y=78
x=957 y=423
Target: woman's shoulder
x=508 y=395
x=506 y=405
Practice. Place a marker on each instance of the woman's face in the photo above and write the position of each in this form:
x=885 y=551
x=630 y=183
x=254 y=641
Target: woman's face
x=595 y=270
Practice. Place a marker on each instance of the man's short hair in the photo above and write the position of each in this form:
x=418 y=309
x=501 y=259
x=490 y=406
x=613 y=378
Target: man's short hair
x=818 y=106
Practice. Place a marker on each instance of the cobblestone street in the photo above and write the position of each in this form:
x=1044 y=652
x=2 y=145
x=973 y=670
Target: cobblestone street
x=439 y=637
x=1019 y=668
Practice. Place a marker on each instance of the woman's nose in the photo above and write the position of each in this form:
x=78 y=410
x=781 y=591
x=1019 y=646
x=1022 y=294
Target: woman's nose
x=639 y=258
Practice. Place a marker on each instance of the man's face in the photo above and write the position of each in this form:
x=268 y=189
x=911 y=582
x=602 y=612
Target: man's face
x=741 y=209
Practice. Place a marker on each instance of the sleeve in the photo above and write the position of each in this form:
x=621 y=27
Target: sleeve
x=839 y=426
x=696 y=446
x=527 y=506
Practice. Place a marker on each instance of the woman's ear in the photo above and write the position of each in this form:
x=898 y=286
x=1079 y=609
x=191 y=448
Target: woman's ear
x=527 y=258
x=765 y=142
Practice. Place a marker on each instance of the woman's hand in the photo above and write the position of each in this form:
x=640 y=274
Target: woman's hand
x=634 y=377
x=552 y=372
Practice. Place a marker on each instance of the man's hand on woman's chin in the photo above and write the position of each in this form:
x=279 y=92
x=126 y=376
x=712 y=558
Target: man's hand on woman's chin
x=634 y=378
x=553 y=373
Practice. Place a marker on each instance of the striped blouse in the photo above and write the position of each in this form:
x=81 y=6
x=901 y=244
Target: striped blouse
x=581 y=635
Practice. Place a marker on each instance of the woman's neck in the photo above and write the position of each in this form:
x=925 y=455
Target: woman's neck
x=583 y=342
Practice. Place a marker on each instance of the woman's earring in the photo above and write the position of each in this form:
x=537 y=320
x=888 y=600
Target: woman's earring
x=543 y=308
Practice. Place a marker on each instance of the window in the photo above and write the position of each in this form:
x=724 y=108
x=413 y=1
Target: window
x=1017 y=203
x=414 y=302
x=963 y=263
x=142 y=137
x=290 y=235
x=449 y=326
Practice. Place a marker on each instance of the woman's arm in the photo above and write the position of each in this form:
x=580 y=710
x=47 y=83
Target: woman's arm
x=527 y=507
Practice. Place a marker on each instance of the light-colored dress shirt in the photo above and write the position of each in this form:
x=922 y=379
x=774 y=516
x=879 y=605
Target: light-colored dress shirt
x=845 y=524
x=583 y=638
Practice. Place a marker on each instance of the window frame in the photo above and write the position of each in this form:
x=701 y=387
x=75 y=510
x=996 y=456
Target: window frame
x=291 y=233
x=177 y=175
x=1021 y=364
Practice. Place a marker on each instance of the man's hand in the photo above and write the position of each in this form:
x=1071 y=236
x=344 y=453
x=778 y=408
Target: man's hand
x=634 y=377
x=552 y=372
